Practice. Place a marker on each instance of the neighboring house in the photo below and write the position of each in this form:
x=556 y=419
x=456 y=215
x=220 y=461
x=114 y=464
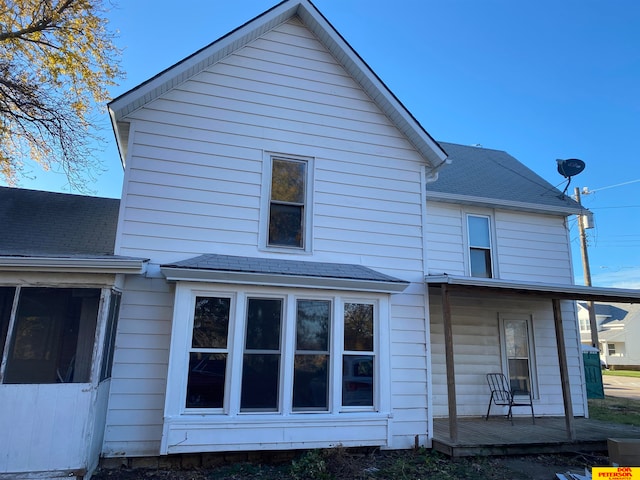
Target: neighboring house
x=302 y=265
x=618 y=333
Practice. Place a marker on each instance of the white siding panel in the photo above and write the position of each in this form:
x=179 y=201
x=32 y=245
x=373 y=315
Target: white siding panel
x=445 y=243
x=134 y=417
x=533 y=247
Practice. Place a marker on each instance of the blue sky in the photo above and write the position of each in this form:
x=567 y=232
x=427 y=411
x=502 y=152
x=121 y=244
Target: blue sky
x=540 y=79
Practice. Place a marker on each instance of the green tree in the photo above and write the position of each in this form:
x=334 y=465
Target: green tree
x=57 y=60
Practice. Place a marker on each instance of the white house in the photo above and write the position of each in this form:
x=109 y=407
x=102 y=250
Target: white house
x=301 y=265
x=618 y=333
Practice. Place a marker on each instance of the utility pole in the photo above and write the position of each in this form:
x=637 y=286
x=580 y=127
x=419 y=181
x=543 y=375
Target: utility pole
x=587 y=274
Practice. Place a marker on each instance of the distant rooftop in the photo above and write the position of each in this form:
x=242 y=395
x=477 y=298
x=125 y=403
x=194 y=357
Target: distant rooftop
x=37 y=223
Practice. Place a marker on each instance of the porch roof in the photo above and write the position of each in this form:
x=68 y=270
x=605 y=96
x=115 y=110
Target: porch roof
x=278 y=272
x=553 y=292
x=546 y=290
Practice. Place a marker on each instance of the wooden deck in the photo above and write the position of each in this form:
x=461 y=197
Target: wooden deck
x=497 y=436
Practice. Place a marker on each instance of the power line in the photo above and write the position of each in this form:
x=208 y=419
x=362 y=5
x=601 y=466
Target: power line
x=613 y=186
x=621 y=206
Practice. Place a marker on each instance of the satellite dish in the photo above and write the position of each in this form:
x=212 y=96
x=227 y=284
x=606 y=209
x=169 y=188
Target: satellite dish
x=570 y=167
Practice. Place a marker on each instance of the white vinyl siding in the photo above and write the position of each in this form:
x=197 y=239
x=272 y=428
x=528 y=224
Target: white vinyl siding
x=138 y=382
x=533 y=247
x=528 y=246
x=476 y=335
x=193 y=185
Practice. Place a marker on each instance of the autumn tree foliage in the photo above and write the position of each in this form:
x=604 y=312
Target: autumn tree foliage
x=57 y=60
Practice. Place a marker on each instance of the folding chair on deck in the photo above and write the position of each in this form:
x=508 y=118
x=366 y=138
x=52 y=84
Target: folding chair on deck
x=503 y=395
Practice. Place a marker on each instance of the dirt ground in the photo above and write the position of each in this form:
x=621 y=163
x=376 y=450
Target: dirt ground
x=339 y=464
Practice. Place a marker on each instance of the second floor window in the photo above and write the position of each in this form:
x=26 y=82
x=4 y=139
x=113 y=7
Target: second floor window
x=287 y=203
x=480 y=259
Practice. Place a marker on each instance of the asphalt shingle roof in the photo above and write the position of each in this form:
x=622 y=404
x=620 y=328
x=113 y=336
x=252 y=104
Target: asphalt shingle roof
x=45 y=223
x=496 y=176
x=275 y=266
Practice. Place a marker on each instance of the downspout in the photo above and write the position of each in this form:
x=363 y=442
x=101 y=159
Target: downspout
x=427 y=312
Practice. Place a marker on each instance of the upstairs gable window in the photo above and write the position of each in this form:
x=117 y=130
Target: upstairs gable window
x=288 y=196
x=286 y=211
x=480 y=258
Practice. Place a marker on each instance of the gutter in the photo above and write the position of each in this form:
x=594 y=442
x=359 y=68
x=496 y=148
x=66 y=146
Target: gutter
x=114 y=265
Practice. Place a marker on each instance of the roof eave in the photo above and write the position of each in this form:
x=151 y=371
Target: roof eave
x=78 y=264
x=549 y=290
x=182 y=274
x=505 y=204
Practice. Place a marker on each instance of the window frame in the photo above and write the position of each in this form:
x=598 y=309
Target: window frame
x=308 y=352
x=266 y=202
x=533 y=376
x=207 y=350
x=88 y=341
x=254 y=351
x=187 y=333
x=470 y=247
x=361 y=353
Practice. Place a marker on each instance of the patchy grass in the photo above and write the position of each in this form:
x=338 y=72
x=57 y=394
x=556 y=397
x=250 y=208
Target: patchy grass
x=343 y=464
x=622 y=373
x=615 y=410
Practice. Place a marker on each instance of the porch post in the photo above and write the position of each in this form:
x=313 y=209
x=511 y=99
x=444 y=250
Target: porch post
x=451 y=377
x=564 y=370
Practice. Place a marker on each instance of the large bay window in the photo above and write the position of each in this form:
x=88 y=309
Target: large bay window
x=264 y=352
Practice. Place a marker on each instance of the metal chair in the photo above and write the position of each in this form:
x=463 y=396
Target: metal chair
x=503 y=395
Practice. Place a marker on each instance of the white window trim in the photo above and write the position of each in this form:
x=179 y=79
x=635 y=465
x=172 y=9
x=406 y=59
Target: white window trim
x=238 y=355
x=263 y=235
x=492 y=241
x=188 y=349
x=533 y=375
x=186 y=293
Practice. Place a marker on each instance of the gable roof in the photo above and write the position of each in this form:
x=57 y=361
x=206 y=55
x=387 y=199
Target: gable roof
x=493 y=178
x=46 y=223
x=59 y=232
x=311 y=17
x=612 y=311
